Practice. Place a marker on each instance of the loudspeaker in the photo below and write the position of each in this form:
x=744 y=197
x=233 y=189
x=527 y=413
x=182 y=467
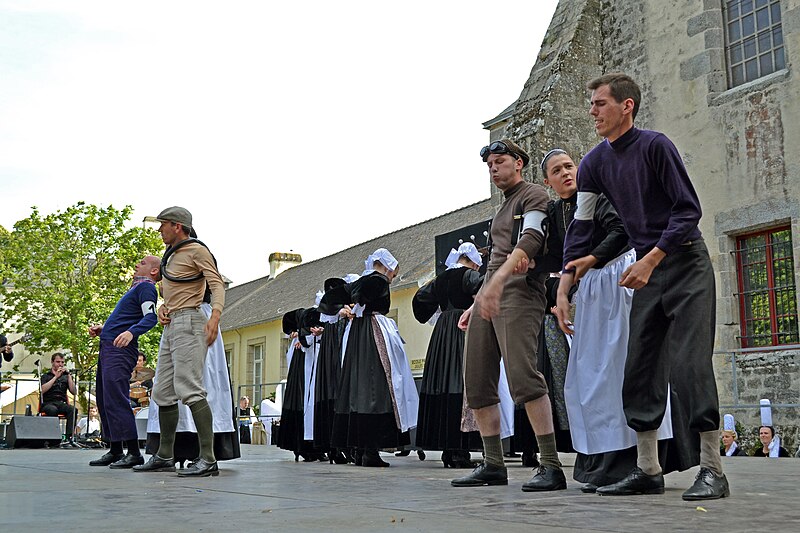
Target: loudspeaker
x=33 y=431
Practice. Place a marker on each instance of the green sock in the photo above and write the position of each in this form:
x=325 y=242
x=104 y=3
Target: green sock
x=493 y=450
x=548 y=455
x=204 y=422
x=167 y=424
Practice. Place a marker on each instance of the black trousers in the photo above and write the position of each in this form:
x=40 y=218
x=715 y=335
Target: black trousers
x=672 y=341
x=61 y=408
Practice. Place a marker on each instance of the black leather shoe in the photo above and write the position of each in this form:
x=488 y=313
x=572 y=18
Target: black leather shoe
x=708 y=486
x=129 y=461
x=484 y=474
x=201 y=468
x=637 y=482
x=107 y=459
x=546 y=478
x=589 y=488
x=156 y=464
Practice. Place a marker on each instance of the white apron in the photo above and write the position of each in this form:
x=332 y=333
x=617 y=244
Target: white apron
x=218 y=390
x=596 y=368
x=405 y=391
x=309 y=384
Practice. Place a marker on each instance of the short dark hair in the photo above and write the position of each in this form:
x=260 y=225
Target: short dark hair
x=770 y=428
x=621 y=86
x=57 y=354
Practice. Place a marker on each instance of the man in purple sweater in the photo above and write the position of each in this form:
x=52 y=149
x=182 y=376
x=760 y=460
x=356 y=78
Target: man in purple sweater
x=673 y=311
x=134 y=314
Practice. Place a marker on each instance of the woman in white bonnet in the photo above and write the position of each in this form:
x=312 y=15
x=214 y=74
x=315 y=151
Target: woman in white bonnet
x=442 y=301
x=377 y=400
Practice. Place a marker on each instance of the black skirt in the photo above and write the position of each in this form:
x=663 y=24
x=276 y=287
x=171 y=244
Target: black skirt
x=290 y=436
x=442 y=390
x=364 y=414
x=329 y=365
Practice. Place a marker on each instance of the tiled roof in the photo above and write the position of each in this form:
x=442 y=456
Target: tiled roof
x=264 y=299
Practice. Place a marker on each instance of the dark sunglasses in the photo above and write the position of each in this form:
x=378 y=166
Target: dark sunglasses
x=497 y=147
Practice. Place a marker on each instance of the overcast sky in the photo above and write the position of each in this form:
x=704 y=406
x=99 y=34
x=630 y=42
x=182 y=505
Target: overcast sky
x=305 y=126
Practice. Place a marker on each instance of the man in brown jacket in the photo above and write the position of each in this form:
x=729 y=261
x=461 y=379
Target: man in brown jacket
x=503 y=325
x=188 y=269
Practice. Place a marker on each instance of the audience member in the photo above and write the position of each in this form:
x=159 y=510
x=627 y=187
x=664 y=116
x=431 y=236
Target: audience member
x=770 y=444
x=55 y=384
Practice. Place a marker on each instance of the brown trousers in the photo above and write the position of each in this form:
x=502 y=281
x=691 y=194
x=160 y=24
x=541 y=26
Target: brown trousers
x=511 y=336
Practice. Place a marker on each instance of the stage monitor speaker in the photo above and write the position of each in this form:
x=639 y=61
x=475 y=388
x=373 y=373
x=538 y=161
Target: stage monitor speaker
x=33 y=431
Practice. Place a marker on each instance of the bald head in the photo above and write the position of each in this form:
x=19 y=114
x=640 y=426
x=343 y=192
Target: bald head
x=149 y=267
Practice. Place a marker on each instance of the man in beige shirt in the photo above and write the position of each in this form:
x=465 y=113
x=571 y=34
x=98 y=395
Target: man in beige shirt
x=189 y=271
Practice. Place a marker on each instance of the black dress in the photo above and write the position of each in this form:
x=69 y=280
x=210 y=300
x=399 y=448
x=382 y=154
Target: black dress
x=329 y=364
x=364 y=412
x=442 y=389
x=292 y=429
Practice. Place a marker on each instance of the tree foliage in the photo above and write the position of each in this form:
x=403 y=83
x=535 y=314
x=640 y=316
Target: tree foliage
x=67 y=270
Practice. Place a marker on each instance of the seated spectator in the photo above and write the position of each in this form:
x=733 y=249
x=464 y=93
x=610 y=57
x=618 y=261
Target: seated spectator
x=729 y=446
x=141 y=383
x=246 y=418
x=89 y=425
x=55 y=384
x=766 y=434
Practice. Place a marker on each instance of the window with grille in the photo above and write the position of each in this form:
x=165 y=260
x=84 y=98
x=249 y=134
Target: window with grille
x=767 y=293
x=753 y=39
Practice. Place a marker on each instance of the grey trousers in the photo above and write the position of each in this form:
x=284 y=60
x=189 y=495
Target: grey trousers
x=181 y=359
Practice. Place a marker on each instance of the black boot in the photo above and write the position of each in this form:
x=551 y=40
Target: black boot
x=529 y=459
x=337 y=456
x=358 y=456
x=372 y=458
x=447 y=459
x=462 y=459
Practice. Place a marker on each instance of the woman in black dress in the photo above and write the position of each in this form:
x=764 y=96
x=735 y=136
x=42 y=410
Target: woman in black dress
x=300 y=325
x=377 y=401
x=443 y=300
x=329 y=365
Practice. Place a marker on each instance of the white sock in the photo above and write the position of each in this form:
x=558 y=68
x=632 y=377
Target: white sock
x=647 y=452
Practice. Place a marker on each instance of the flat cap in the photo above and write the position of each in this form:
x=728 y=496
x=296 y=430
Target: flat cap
x=179 y=215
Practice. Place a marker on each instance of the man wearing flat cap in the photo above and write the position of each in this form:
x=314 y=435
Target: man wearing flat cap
x=503 y=325
x=188 y=270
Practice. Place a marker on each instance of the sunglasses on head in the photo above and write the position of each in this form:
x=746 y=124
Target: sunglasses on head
x=497 y=147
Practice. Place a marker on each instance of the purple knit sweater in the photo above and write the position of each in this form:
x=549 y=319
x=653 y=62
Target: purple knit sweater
x=642 y=175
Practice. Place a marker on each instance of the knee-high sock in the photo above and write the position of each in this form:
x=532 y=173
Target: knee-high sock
x=647 y=452
x=204 y=422
x=168 y=424
x=493 y=450
x=133 y=446
x=548 y=455
x=709 y=451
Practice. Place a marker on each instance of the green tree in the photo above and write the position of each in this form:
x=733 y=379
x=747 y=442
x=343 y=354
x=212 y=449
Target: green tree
x=67 y=270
